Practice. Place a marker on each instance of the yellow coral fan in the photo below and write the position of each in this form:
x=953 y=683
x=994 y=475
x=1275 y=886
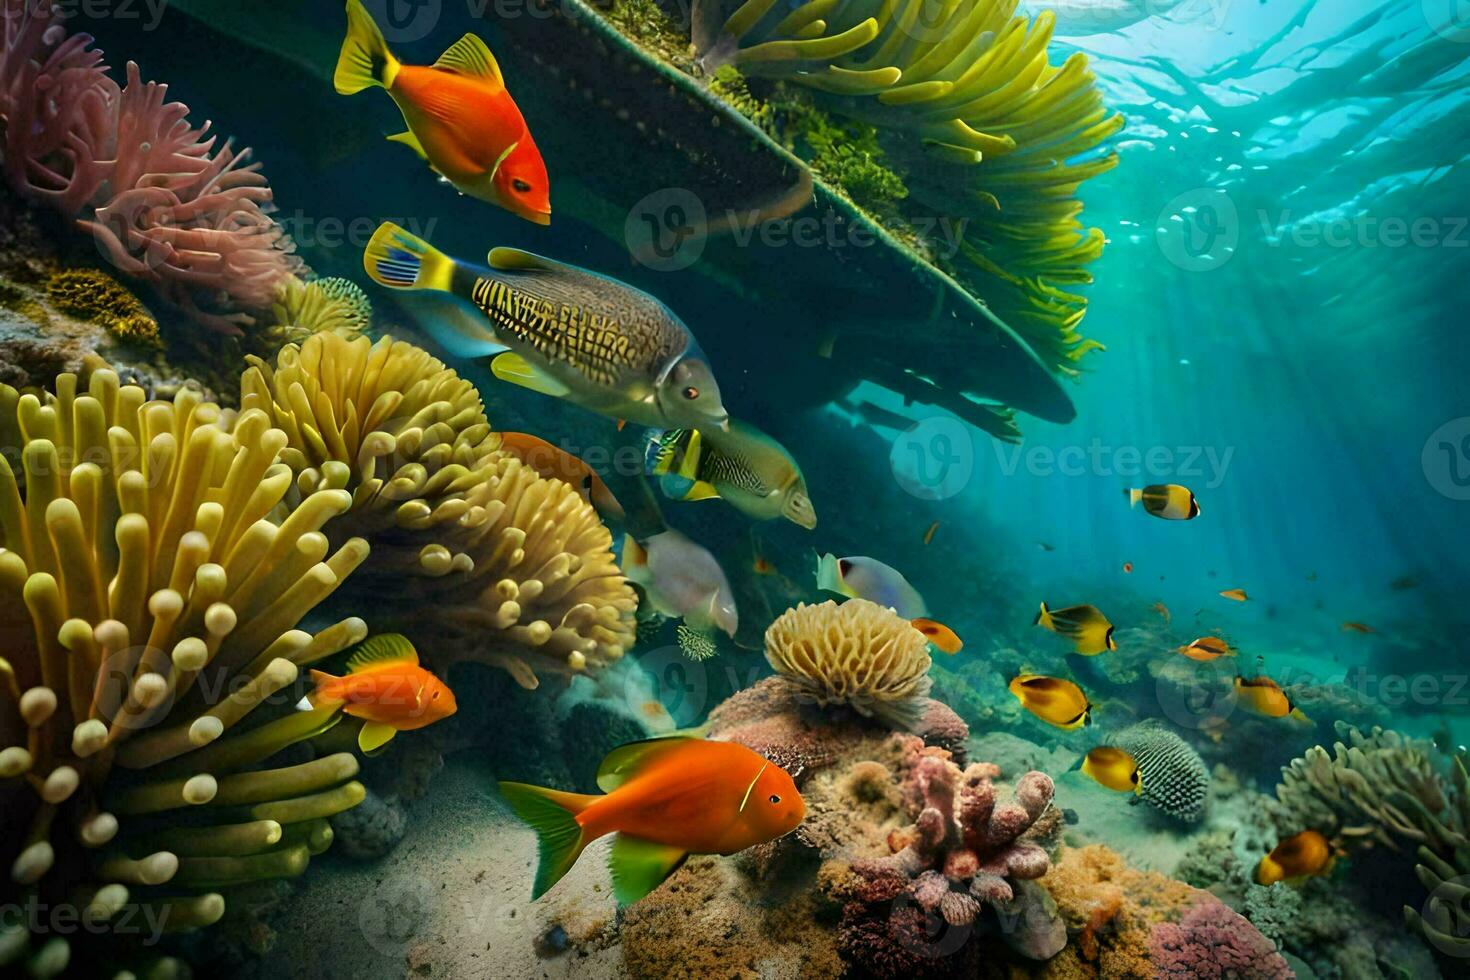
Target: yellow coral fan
x=331 y=305
x=859 y=654
x=97 y=297
x=986 y=129
x=147 y=624
x=518 y=568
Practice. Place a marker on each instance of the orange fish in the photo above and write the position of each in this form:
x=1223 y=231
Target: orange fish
x=386 y=687
x=1297 y=858
x=940 y=635
x=1128 y=566
x=929 y=534
x=1163 y=611
x=666 y=798
x=1265 y=697
x=763 y=567
x=460 y=117
x=1207 y=648
x=1237 y=595
x=1358 y=628
x=558 y=464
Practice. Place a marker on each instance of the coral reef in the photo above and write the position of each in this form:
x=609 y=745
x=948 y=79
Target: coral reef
x=518 y=567
x=329 y=305
x=163 y=204
x=977 y=121
x=97 y=297
x=856 y=654
x=1211 y=942
x=149 y=621
x=1174 y=778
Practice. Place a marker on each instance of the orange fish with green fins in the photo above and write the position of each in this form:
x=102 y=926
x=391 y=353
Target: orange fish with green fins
x=666 y=798
x=386 y=687
x=461 y=119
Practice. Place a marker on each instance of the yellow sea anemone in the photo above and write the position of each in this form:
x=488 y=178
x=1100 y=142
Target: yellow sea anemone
x=148 y=613
x=857 y=653
x=331 y=305
x=985 y=130
x=517 y=568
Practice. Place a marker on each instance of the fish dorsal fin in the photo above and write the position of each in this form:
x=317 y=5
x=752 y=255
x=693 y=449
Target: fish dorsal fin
x=751 y=788
x=380 y=650
x=623 y=762
x=515 y=369
x=470 y=56
x=639 y=866
x=513 y=259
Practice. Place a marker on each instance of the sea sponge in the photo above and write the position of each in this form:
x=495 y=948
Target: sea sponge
x=147 y=619
x=858 y=654
x=1175 y=780
x=1213 y=942
x=329 y=305
x=982 y=127
x=91 y=295
x=518 y=567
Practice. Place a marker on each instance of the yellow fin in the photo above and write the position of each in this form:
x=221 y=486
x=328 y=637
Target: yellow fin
x=701 y=491
x=374 y=735
x=504 y=257
x=385 y=648
x=625 y=760
x=408 y=139
x=470 y=56
x=515 y=369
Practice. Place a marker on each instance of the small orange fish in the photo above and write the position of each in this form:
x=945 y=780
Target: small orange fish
x=1207 y=648
x=666 y=798
x=1297 y=858
x=386 y=687
x=929 y=534
x=940 y=635
x=1358 y=628
x=1128 y=567
x=763 y=567
x=622 y=424
x=1238 y=595
x=1163 y=611
x=1265 y=697
x=558 y=464
x=461 y=119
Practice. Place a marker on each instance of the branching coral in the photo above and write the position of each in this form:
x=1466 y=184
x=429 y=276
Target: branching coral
x=163 y=204
x=1173 y=778
x=858 y=654
x=966 y=850
x=95 y=296
x=984 y=128
x=147 y=618
x=518 y=568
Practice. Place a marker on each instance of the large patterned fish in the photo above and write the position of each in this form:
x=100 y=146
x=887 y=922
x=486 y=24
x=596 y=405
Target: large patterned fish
x=562 y=331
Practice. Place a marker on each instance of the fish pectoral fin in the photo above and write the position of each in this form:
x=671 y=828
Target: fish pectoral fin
x=639 y=866
x=471 y=56
x=701 y=490
x=374 y=735
x=515 y=369
x=408 y=139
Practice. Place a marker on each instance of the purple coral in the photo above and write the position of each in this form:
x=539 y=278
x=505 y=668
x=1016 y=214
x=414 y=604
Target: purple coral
x=1212 y=942
x=162 y=203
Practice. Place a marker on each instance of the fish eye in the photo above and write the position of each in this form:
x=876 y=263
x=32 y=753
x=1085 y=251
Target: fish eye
x=520 y=186
x=434 y=696
x=691 y=393
x=775 y=798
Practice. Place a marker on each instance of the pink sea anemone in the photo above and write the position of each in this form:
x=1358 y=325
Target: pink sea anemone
x=163 y=204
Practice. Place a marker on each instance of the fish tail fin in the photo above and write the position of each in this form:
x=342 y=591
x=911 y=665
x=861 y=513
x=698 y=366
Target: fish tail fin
x=829 y=576
x=1134 y=496
x=400 y=260
x=1043 y=617
x=365 y=60
x=560 y=840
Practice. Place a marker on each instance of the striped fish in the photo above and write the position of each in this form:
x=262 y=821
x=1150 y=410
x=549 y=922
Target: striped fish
x=747 y=468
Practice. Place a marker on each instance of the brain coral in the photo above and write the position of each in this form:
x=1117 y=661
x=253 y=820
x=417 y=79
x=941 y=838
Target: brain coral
x=1174 y=778
x=517 y=567
x=857 y=653
x=147 y=620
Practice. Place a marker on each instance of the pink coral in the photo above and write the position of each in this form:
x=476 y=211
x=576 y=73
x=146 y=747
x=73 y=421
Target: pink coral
x=1212 y=942
x=162 y=203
